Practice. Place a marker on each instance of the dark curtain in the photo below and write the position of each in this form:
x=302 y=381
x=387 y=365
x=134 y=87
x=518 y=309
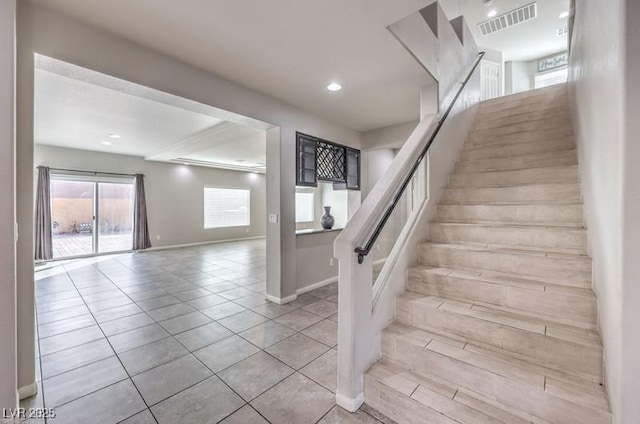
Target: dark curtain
x=43 y=241
x=140 y=228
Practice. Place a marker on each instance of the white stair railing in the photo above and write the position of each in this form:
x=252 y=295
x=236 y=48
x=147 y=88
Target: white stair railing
x=358 y=337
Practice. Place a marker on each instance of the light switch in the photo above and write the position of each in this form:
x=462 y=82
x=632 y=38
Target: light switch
x=273 y=218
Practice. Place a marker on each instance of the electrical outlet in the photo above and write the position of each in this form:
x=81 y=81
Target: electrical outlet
x=158 y=237
x=330 y=261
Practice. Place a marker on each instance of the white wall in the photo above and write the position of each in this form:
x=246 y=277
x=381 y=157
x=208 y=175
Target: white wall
x=374 y=164
x=8 y=359
x=174 y=193
x=603 y=74
x=519 y=76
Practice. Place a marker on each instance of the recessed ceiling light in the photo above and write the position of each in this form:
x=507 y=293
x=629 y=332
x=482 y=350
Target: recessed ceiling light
x=334 y=86
x=492 y=13
x=563 y=15
x=114 y=136
x=106 y=143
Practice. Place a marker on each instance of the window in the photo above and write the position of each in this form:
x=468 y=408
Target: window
x=305 y=205
x=550 y=78
x=226 y=207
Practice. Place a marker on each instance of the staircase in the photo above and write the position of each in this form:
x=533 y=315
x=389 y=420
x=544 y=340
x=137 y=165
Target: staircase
x=498 y=323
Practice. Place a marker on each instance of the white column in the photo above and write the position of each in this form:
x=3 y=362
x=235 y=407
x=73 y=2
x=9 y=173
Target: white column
x=8 y=353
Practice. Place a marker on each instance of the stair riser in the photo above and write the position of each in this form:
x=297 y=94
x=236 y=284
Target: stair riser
x=564 y=158
x=512 y=394
x=560 y=125
x=538 y=101
x=399 y=408
x=562 y=354
x=576 y=270
x=559 y=175
x=534 y=238
x=488 y=120
x=520 y=137
x=511 y=213
x=560 y=193
x=472 y=152
x=557 y=306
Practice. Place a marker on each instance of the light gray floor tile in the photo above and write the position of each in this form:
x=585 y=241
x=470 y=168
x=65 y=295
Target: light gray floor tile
x=304 y=300
x=192 y=294
x=138 y=337
x=158 y=302
x=323 y=308
x=168 y=379
x=242 y=321
x=264 y=335
x=65 y=325
x=185 y=322
x=70 y=339
x=206 y=301
x=273 y=310
x=310 y=402
x=220 y=287
x=254 y=375
x=203 y=336
x=223 y=310
x=298 y=320
x=225 y=353
x=245 y=415
x=74 y=384
x=324 y=370
x=325 y=332
x=107 y=406
x=143 y=417
x=147 y=294
x=326 y=291
x=297 y=351
x=59 y=304
x=341 y=416
x=236 y=293
x=172 y=311
x=121 y=325
x=252 y=300
x=61 y=314
x=69 y=359
x=115 y=313
x=148 y=356
x=207 y=402
x=109 y=303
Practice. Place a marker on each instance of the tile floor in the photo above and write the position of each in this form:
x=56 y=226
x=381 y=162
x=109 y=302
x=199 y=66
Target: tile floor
x=183 y=336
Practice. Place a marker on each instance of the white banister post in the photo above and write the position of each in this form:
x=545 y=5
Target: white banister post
x=355 y=333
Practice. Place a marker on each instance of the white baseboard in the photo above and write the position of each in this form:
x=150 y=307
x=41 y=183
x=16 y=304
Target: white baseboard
x=281 y=300
x=200 y=243
x=27 y=391
x=317 y=285
x=350 y=404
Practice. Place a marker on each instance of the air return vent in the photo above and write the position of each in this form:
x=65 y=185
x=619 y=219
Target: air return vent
x=509 y=19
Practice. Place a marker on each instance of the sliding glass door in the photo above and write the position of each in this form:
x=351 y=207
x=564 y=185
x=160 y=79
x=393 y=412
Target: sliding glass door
x=91 y=216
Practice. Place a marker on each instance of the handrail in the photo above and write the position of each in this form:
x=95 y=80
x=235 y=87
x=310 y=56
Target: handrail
x=363 y=251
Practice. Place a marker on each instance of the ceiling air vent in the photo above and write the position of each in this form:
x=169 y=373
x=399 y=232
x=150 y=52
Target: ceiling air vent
x=509 y=19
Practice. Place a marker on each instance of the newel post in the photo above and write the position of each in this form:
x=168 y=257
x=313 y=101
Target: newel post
x=355 y=333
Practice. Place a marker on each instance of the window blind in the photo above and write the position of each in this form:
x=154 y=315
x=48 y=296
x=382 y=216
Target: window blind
x=226 y=207
x=305 y=207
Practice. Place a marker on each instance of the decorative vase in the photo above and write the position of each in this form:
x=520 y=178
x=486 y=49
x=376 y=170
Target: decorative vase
x=327 y=220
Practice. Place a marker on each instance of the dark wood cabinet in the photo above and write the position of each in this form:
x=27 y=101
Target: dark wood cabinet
x=322 y=160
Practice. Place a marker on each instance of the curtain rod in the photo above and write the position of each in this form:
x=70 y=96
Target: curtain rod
x=90 y=172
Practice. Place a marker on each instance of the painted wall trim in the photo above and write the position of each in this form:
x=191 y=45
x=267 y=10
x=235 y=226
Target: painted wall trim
x=317 y=285
x=27 y=391
x=350 y=404
x=200 y=243
x=281 y=301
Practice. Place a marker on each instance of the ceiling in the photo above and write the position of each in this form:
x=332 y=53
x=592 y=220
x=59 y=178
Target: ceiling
x=526 y=41
x=80 y=109
x=289 y=49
